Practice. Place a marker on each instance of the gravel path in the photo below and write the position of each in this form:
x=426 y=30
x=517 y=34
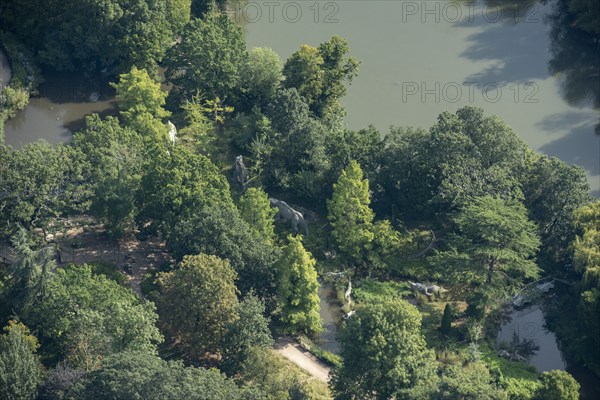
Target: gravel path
x=302 y=358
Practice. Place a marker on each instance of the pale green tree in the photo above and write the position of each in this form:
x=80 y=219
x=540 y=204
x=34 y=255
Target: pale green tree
x=256 y=210
x=350 y=214
x=298 y=289
x=141 y=102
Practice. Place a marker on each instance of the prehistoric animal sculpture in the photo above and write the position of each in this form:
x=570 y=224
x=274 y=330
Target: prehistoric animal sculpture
x=429 y=290
x=289 y=214
x=240 y=174
x=172 y=132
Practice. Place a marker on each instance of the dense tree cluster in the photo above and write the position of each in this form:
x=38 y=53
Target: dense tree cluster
x=465 y=203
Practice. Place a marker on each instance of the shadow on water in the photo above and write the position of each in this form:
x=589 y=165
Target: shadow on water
x=580 y=145
x=331 y=313
x=504 y=37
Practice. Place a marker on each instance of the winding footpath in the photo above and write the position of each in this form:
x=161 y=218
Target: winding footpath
x=302 y=358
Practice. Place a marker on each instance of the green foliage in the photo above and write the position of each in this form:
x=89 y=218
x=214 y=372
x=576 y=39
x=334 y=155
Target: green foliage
x=384 y=354
x=298 y=289
x=114 y=160
x=304 y=72
x=319 y=74
x=261 y=76
x=558 y=385
x=350 y=215
x=141 y=102
x=196 y=303
x=587 y=15
x=39 y=183
x=20 y=368
x=250 y=329
x=586 y=246
x=446 y=325
x=519 y=380
x=494 y=236
x=85 y=317
x=175 y=184
x=178 y=13
x=470 y=382
x=208 y=59
x=220 y=230
x=256 y=210
x=139 y=32
x=142 y=376
x=111 y=271
x=29 y=274
x=280 y=379
x=372 y=291
x=553 y=190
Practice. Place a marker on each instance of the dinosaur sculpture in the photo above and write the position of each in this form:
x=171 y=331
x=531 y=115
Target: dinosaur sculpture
x=172 y=132
x=240 y=174
x=288 y=213
x=429 y=290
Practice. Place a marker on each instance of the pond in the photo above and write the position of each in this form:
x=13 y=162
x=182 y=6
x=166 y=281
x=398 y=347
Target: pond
x=422 y=58
x=60 y=108
x=529 y=324
x=331 y=315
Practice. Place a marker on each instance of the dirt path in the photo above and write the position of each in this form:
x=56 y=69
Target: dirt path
x=302 y=358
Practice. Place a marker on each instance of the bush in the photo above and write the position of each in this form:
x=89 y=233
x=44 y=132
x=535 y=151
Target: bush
x=558 y=385
x=111 y=271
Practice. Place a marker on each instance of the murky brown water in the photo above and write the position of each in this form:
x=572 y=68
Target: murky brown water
x=60 y=108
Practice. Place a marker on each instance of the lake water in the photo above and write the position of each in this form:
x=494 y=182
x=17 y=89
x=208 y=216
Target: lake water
x=420 y=58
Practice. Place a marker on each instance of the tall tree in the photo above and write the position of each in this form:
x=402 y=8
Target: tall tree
x=141 y=102
x=20 y=368
x=495 y=238
x=114 y=161
x=255 y=209
x=207 y=59
x=384 y=355
x=304 y=72
x=196 y=302
x=553 y=190
x=298 y=289
x=349 y=213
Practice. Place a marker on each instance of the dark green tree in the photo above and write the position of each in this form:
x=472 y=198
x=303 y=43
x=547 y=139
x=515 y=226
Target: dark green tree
x=384 y=355
x=85 y=317
x=207 y=59
x=39 y=185
x=114 y=161
x=446 y=325
x=132 y=375
x=496 y=242
x=250 y=329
